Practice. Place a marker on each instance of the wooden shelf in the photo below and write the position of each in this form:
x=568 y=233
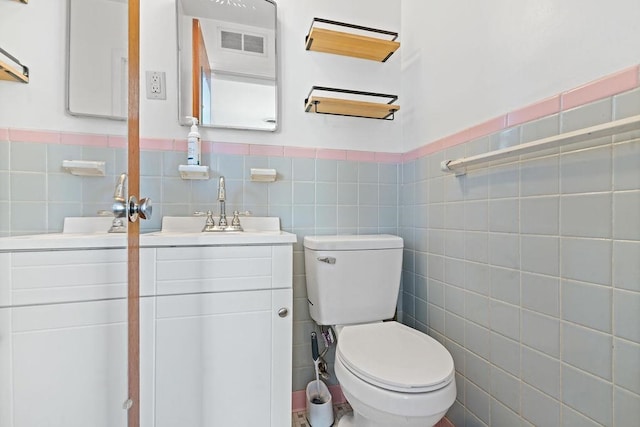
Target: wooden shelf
x=11 y=69
x=348 y=44
x=351 y=107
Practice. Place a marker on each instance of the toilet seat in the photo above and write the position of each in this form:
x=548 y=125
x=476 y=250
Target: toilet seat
x=395 y=357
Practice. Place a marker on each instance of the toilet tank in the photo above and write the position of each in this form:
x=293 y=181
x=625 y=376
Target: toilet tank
x=352 y=279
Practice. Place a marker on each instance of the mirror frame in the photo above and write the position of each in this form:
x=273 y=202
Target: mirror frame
x=181 y=114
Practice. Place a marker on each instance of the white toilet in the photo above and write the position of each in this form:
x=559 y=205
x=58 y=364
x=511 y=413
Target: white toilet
x=391 y=374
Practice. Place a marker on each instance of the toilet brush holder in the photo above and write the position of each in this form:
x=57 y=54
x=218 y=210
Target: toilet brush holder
x=319 y=404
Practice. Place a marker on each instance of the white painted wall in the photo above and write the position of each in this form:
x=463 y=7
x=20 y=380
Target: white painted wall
x=465 y=61
x=35 y=33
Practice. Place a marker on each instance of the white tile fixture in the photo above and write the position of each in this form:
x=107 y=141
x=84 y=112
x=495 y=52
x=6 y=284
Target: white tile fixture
x=588 y=350
x=541 y=371
x=587 y=304
x=539 y=215
x=626 y=367
x=587 y=394
x=626 y=214
x=586 y=215
x=505 y=388
x=538 y=408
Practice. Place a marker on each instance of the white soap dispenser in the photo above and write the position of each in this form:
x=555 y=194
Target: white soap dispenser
x=194 y=148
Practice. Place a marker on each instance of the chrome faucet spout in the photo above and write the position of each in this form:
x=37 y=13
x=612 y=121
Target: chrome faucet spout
x=221 y=190
x=119 y=193
x=119 y=207
x=222 y=222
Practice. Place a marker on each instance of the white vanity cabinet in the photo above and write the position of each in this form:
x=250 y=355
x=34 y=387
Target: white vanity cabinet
x=223 y=328
x=63 y=338
x=215 y=342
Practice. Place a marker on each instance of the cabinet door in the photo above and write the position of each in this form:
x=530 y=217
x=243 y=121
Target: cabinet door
x=282 y=325
x=68 y=364
x=215 y=359
x=6 y=410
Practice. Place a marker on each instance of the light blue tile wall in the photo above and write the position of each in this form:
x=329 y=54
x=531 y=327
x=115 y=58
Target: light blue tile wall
x=311 y=196
x=527 y=272
x=531 y=276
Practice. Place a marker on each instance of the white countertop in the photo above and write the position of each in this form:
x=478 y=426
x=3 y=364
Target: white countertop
x=177 y=231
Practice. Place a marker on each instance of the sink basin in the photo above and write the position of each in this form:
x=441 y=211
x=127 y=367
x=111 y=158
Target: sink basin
x=195 y=224
x=92 y=232
x=87 y=224
x=187 y=231
x=77 y=233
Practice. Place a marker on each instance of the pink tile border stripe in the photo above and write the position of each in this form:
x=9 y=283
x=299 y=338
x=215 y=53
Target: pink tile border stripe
x=602 y=88
x=300 y=152
x=229 y=148
x=477 y=131
x=266 y=150
x=388 y=157
x=45 y=137
x=328 y=154
x=85 y=139
x=117 y=141
x=540 y=109
x=4 y=134
x=361 y=156
x=156 y=144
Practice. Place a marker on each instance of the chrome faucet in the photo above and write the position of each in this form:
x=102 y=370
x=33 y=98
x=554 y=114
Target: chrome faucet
x=119 y=194
x=119 y=207
x=223 y=225
x=222 y=222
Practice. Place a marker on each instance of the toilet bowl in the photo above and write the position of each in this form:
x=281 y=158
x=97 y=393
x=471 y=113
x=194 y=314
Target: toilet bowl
x=393 y=376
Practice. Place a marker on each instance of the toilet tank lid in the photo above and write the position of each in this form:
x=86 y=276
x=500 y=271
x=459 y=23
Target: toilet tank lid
x=353 y=242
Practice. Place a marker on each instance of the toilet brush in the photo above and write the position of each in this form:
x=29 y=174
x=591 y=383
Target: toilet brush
x=315 y=354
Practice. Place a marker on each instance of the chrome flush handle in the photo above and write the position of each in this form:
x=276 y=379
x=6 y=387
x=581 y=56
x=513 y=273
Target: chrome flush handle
x=327 y=259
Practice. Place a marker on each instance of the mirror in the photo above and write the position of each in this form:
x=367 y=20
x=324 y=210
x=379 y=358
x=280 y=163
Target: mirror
x=97 y=58
x=227 y=65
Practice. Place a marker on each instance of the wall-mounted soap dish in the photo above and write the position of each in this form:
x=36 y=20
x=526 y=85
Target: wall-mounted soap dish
x=84 y=167
x=263 y=175
x=193 y=171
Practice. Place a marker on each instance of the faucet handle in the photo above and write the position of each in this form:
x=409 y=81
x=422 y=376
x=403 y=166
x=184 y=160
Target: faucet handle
x=235 y=222
x=209 y=224
x=236 y=219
